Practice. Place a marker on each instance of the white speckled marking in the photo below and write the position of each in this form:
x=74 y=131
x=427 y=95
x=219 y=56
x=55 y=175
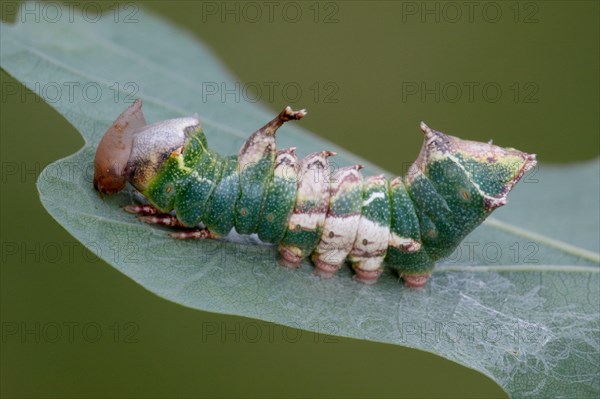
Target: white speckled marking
x=337 y=238
x=370 y=245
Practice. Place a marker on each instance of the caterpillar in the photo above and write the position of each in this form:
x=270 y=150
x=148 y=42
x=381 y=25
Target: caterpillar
x=407 y=223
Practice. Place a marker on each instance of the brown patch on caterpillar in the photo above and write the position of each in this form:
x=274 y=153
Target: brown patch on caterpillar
x=286 y=165
x=366 y=252
x=406 y=244
x=348 y=175
x=287 y=156
x=114 y=149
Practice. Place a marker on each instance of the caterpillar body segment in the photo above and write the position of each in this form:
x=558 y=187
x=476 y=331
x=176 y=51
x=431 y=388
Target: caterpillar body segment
x=407 y=223
x=256 y=164
x=306 y=222
x=280 y=197
x=341 y=221
x=219 y=215
x=373 y=232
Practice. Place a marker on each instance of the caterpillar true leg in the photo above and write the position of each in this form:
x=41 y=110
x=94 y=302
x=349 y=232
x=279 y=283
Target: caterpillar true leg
x=198 y=234
x=408 y=223
x=162 y=219
x=141 y=209
x=154 y=216
x=150 y=215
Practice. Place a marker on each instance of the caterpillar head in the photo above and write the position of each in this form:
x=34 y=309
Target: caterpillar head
x=114 y=149
x=492 y=169
x=132 y=151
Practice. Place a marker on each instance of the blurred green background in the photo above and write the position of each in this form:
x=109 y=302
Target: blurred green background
x=525 y=74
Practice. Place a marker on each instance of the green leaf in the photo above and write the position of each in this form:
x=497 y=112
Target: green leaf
x=518 y=301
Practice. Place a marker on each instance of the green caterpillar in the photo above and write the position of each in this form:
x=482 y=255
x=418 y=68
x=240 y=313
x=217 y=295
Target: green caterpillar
x=407 y=223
